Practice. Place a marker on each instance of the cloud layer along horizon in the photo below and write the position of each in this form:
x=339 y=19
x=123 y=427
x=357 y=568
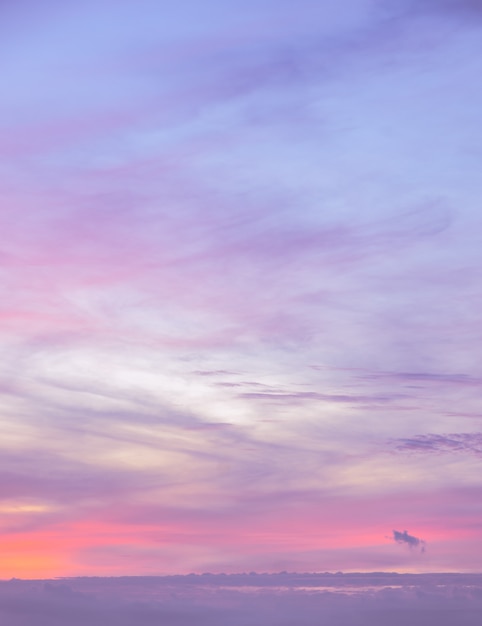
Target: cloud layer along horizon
x=152 y=602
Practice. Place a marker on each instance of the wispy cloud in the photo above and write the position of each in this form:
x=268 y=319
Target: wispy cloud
x=435 y=443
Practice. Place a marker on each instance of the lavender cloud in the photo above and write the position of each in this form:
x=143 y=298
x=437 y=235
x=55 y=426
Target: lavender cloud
x=410 y=540
x=206 y=600
x=439 y=443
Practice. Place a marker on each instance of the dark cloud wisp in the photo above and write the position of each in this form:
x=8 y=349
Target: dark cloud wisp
x=409 y=540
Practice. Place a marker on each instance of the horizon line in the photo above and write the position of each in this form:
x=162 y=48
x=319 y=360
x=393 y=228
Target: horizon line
x=247 y=575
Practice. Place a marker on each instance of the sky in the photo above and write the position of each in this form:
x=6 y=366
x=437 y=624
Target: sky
x=240 y=286
x=429 y=600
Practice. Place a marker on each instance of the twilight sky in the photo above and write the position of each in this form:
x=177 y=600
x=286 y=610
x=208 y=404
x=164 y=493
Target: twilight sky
x=241 y=286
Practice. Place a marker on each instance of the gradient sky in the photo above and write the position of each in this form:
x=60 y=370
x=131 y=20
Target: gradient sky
x=241 y=286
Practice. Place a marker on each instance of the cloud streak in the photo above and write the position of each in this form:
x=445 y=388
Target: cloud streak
x=440 y=444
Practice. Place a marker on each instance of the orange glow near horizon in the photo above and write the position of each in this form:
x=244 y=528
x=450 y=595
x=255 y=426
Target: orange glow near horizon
x=70 y=549
x=37 y=555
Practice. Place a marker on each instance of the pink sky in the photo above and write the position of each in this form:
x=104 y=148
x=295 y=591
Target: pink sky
x=240 y=287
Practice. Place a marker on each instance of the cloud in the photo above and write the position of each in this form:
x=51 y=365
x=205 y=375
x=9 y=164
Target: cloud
x=410 y=540
x=277 y=600
x=425 y=377
x=303 y=396
x=438 y=444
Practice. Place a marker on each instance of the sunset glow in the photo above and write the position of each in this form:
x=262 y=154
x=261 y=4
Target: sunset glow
x=241 y=287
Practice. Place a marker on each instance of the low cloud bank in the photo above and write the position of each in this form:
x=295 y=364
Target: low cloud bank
x=359 y=600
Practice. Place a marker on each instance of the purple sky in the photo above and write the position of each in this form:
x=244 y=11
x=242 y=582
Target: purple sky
x=241 y=286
